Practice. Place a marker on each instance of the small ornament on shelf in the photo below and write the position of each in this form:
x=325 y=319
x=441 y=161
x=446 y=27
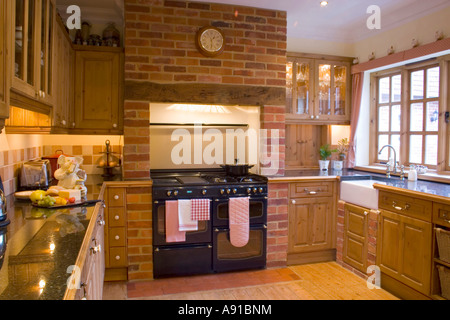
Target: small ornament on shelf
x=109 y=162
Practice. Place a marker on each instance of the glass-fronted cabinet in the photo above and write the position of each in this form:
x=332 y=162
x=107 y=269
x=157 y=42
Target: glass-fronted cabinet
x=33 y=45
x=5 y=63
x=318 y=90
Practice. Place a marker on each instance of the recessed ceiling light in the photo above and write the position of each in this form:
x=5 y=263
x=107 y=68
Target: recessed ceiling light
x=323 y=3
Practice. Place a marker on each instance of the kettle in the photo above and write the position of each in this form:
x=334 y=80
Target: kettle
x=3 y=208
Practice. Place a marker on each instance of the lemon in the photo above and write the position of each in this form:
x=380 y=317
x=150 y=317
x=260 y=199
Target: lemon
x=37 y=195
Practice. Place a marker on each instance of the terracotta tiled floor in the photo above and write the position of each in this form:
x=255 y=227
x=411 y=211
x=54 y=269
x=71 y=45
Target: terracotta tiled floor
x=321 y=281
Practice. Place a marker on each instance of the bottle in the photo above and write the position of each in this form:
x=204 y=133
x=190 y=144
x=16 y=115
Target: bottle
x=412 y=174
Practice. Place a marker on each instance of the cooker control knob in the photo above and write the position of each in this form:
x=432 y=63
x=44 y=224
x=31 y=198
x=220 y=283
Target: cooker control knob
x=228 y=191
x=169 y=193
x=249 y=190
x=175 y=193
x=204 y=191
x=234 y=190
x=261 y=190
x=222 y=191
x=255 y=190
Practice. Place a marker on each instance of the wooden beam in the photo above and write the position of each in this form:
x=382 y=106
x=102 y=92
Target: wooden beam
x=205 y=93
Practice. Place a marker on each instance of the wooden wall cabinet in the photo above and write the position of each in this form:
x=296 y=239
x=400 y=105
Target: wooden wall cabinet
x=318 y=89
x=5 y=61
x=98 y=96
x=63 y=108
x=404 y=244
x=312 y=211
x=355 y=249
x=34 y=25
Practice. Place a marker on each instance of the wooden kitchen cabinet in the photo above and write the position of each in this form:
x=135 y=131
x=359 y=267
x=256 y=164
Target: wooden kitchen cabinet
x=63 y=108
x=98 y=85
x=404 y=244
x=5 y=61
x=311 y=221
x=318 y=89
x=116 y=235
x=33 y=51
x=355 y=249
x=86 y=280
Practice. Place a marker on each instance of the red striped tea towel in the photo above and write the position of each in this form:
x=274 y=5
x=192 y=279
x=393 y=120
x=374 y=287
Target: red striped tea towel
x=184 y=216
x=239 y=221
x=200 y=209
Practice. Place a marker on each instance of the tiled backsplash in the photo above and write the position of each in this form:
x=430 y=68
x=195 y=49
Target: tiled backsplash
x=11 y=161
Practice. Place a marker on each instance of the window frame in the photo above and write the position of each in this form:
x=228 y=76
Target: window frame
x=443 y=157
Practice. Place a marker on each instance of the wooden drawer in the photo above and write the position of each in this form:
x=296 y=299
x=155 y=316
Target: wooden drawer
x=406 y=205
x=311 y=189
x=441 y=214
x=117 y=237
x=116 y=197
x=116 y=217
x=118 y=257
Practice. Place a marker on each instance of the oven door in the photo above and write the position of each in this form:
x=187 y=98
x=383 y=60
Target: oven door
x=258 y=211
x=182 y=260
x=227 y=257
x=202 y=235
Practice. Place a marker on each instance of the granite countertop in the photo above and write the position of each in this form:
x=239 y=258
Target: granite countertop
x=439 y=189
x=39 y=245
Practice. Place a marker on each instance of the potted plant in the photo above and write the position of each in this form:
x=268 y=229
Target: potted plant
x=325 y=154
x=342 y=150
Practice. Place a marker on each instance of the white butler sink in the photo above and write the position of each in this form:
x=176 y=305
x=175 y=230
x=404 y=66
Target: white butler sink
x=361 y=193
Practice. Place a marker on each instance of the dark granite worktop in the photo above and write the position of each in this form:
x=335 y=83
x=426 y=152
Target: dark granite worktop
x=428 y=187
x=39 y=245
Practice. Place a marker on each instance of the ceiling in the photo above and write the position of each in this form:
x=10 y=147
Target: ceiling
x=341 y=21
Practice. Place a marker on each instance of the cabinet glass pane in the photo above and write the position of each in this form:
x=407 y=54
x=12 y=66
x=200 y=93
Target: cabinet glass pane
x=324 y=89
x=417 y=85
x=18 y=43
x=30 y=42
x=396 y=88
x=415 y=149
x=416 y=115
x=432 y=116
x=43 y=53
x=382 y=141
x=433 y=83
x=395 y=142
x=431 y=149
x=303 y=71
x=383 y=119
x=289 y=87
x=384 y=89
x=396 y=118
x=340 y=87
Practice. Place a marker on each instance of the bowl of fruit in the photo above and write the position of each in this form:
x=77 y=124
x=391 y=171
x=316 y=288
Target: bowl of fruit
x=40 y=198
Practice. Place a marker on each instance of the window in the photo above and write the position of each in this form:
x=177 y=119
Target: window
x=407 y=109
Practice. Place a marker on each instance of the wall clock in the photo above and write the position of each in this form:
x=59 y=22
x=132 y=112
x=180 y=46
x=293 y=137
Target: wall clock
x=210 y=41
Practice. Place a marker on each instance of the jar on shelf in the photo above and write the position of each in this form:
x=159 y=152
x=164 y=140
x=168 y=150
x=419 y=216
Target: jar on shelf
x=79 y=185
x=111 y=36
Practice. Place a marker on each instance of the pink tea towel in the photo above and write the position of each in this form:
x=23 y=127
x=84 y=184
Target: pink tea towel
x=172 y=226
x=200 y=209
x=239 y=221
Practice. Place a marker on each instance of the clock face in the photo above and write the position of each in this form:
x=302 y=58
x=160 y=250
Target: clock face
x=211 y=41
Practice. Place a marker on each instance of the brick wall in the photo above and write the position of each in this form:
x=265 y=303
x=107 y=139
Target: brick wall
x=160 y=51
x=160 y=48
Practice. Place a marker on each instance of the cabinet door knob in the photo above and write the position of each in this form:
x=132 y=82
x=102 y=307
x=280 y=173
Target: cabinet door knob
x=293 y=202
x=317 y=117
x=116 y=197
x=115 y=125
x=117 y=257
x=117 y=237
x=116 y=218
x=366 y=213
x=312 y=117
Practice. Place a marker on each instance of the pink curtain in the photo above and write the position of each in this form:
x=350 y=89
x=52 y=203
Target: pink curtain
x=357 y=86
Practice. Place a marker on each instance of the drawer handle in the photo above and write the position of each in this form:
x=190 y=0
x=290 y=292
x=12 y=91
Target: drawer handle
x=96 y=248
x=396 y=207
x=117 y=237
x=366 y=213
x=116 y=218
x=101 y=222
x=116 y=197
x=312 y=192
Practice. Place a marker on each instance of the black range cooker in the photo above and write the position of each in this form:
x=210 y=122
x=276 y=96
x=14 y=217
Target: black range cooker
x=208 y=249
